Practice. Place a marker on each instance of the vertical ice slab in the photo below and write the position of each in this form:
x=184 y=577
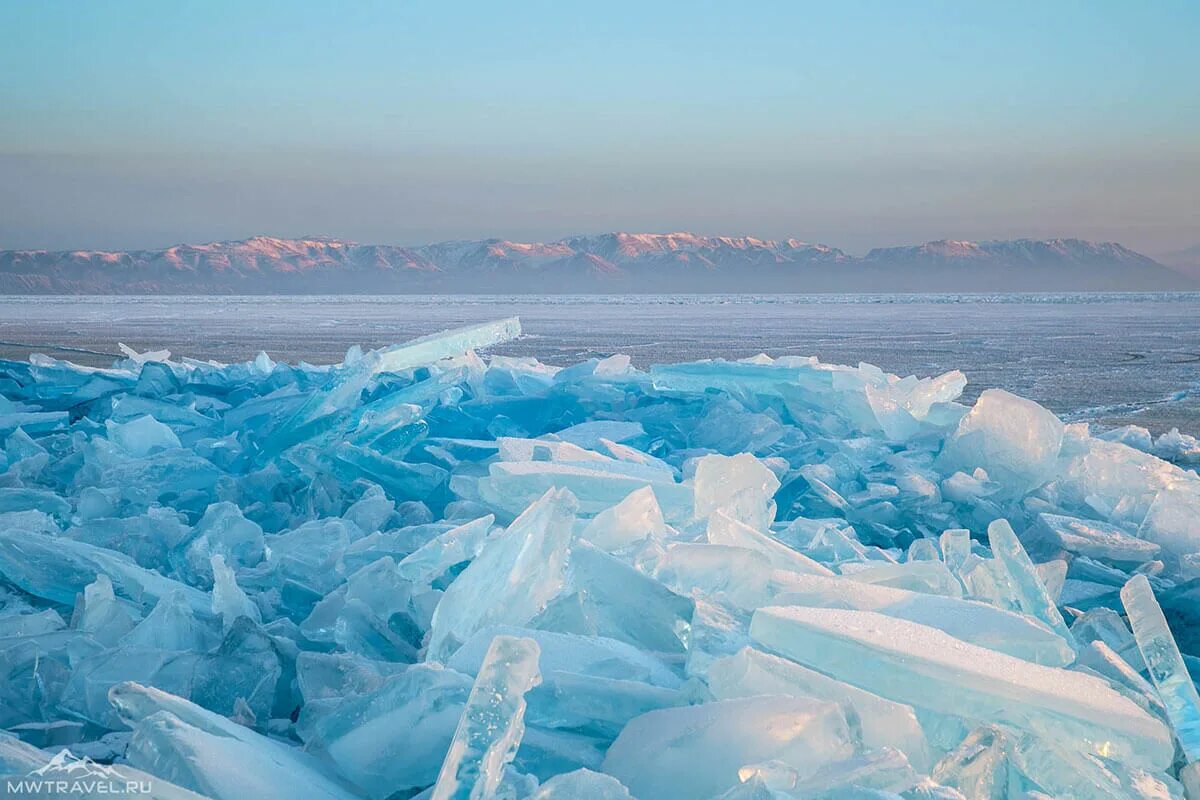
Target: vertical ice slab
x=1024 y=579
x=492 y=723
x=1167 y=670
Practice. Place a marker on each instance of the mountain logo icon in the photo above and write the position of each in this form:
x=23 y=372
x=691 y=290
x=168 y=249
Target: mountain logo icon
x=64 y=764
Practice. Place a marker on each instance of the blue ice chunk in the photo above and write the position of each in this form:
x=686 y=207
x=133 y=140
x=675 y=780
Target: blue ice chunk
x=372 y=510
x=323 y=676
x=34 y=421
x=242 y=670
x=229 y=602
x=723 y=529
x=629 y=522
x=511 y=485
x=58 y=569
x=460 y=544
x=880 y=722
x=1096 y=538
x=16 y=499
x=926 y=668
x=223 y=531
x=142 y=436
x=395 y=736
x=204 y=752
x=1014 y=439
x=582 y=783
x=172 y=625
x=697 y=751
x=740 y=485
x=149 y=539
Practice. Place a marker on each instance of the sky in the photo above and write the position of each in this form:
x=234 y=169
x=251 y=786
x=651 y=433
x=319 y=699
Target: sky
x=857 y=124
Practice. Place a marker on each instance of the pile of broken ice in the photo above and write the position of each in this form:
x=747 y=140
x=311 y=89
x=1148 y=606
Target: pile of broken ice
x=426 y=573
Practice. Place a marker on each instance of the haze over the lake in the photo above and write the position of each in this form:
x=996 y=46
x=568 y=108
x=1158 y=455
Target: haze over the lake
x=139 y=124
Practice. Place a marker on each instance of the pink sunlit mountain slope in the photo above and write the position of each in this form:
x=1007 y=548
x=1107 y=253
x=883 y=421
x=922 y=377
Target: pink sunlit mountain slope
x=611 y=262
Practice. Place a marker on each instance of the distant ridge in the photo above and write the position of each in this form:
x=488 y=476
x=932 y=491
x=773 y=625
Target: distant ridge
x=1186 y=261
x=610 y=262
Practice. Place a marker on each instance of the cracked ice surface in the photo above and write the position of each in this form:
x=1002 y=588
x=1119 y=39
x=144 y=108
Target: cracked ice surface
x=429 y=573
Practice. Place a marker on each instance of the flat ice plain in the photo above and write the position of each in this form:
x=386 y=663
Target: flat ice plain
x=1112 y=359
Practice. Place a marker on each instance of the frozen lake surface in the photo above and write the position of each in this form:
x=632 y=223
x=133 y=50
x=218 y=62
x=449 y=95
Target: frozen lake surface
x=1109 y=358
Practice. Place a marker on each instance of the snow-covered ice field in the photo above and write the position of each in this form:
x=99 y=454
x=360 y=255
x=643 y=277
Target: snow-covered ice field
x=1107 y=358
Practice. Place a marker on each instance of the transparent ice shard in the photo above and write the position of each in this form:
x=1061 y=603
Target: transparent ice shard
x=430 y=561
x=607 y=597
x=1171 y=520
x=101 y=614
x=229 y=601
x=980 y=766
x=224 y=531
x=733 y=576
x=926 y=577
x=492 y=722
x=879 y=722
x=518 y=572
x=598 y=707
x=511 y=485
x=716 y=632
x=956 y=547
x=722 y=529
x=884 y=770
x=634 y=519
x=1024 y=580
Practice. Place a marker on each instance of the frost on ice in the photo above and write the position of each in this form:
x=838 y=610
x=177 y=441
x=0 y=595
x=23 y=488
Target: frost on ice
x=427 y=573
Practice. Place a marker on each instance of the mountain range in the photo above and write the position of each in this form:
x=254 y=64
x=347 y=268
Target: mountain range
x=611 y=262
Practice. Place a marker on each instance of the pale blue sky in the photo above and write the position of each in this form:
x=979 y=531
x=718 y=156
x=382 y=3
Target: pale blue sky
x=126 y=124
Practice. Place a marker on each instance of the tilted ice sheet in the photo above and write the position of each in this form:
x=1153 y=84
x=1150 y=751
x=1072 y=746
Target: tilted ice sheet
x=925 y=667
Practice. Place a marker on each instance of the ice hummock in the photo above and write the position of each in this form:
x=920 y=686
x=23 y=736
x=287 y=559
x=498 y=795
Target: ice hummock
x=425 y=572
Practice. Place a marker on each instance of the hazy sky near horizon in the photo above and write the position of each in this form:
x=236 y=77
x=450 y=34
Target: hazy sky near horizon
x=141 y=124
